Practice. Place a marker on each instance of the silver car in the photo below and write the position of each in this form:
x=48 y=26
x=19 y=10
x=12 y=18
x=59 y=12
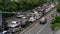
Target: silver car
x=43 y=20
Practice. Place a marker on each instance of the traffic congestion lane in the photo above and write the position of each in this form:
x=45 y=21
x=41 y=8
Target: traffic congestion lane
x=36 y=28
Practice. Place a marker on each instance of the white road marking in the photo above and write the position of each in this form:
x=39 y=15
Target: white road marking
x=42 y=28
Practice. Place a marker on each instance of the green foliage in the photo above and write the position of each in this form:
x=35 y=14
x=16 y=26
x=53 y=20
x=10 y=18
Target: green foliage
x=5 y=15
x=58 y=8
x=53 y=26
x=2 y=8
x=12 y=6
x=9 y=5
x=0 y=2
x=56 y=22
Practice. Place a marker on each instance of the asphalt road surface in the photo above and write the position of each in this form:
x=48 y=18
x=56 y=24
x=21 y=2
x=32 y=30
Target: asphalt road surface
x=58 y=31
x=42 y=29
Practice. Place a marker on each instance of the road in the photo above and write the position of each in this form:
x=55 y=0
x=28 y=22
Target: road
x=39 y=29
x=58 y=31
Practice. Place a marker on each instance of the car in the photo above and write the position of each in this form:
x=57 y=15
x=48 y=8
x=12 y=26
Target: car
x=4 y=32
x=43 y=20
x=13 y=24
x=24 y=17
x=20 y=16
x=32 y=19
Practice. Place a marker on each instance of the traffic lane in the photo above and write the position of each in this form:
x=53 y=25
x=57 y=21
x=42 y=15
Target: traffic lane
x=34 y=29
x=46 y=30
x=48 y=16
x=37 y=28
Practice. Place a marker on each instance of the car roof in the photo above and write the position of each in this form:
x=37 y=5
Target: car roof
x=14 y=21
x=4 y=31
x=43 y=18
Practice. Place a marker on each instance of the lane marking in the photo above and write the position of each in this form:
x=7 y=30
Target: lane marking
x=32 y=27
x=42 y=28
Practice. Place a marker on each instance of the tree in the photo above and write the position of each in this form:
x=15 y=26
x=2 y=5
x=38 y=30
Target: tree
x=12 y=6
x=29 y=4
x=2 y=8
x=58 y=8
x=9 y=5
x=0 y=2
x=53 y=27
x=55 y=24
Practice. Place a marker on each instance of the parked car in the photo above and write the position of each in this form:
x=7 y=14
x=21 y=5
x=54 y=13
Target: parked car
x=4 y=32
x=19 y=16
x=43 y=20
x=14 y=26
x=32 y=19
x=38 y=9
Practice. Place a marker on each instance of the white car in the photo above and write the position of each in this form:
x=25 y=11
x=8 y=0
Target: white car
x=20 y=16
x=13 y=24
x=52 y=6
x=32 y=19
x=4 y=32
